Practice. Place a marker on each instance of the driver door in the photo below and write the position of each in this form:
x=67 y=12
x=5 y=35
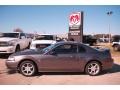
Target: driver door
x=62 y=58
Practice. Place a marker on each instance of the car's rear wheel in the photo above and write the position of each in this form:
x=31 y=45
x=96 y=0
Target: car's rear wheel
x=28 y=68
x=93 y=68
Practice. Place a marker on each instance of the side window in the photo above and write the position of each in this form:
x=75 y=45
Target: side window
x=81 y=49
x=66 y=49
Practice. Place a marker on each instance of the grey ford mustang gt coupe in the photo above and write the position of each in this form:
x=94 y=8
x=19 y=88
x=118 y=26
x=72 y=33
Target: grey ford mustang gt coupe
x=61 y=57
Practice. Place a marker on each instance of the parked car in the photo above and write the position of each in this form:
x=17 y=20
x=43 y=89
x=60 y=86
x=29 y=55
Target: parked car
x=43 y=40
x=61 y=57
x=88 y=39
x=116 y=42
x=13 y=42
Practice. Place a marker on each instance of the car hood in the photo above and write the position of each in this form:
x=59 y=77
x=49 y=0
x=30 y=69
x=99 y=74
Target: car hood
x=43 y=42
x=7 y=39
x=27 y=52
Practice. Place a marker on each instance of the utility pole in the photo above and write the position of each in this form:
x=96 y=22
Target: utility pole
x=109 y=28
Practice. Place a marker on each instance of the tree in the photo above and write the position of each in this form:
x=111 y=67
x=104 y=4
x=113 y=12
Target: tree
x=18 y=30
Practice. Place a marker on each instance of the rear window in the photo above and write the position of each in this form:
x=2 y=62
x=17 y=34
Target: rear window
x=44 y=37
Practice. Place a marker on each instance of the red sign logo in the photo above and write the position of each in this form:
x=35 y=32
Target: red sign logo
x=75 y=18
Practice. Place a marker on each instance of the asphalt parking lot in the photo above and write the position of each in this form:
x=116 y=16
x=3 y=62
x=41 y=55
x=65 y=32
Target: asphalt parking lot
x=111 y=77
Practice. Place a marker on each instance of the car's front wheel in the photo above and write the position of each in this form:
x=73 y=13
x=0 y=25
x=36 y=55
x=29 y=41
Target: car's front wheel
x=17 y=48
x=27 y=68
x=93 y=68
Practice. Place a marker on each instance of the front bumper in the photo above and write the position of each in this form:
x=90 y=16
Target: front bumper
x=9 y=49
x=11 y=64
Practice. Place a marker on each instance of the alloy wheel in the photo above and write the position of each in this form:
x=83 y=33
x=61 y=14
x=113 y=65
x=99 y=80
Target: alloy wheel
x=93 y=68
x=27 y=68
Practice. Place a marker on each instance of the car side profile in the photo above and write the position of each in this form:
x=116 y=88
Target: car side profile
x=61 y=57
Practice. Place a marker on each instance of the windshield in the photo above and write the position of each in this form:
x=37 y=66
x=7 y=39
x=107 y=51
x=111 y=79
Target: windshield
x=11 y=35
x=47 y=48
x=116 y=38
x=44 y=37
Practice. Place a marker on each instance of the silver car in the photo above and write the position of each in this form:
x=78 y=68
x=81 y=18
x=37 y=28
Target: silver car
x=61 y=57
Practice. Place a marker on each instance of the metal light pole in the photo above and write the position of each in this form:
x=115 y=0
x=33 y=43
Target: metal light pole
x=109 y=14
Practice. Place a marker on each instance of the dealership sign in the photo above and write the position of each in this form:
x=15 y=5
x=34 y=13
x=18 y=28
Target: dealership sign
x=75 y=20
x=76 y=26
x=74 y=32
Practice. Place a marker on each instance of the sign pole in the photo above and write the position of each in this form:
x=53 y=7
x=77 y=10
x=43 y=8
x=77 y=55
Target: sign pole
x=81 y=28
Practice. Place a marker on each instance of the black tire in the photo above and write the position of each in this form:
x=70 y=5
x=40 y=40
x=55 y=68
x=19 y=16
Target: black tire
x=93 y=70
x=116 y=47
x=27 y=68
x=17 y=48
x=28 y=46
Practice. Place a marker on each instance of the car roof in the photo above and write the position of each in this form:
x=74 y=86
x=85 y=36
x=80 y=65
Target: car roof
x=68 y=42
x=73 y=42
x=46 y=34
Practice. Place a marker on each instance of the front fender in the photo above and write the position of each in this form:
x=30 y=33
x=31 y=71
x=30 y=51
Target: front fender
x=22 y=58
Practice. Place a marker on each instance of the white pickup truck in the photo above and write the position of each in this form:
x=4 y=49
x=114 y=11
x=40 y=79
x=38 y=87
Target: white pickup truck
x=42 y=40
x=13 y=42
x=116 y=43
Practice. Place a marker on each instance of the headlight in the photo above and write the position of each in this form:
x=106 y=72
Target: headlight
x=11 y=43
x=11 y=59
